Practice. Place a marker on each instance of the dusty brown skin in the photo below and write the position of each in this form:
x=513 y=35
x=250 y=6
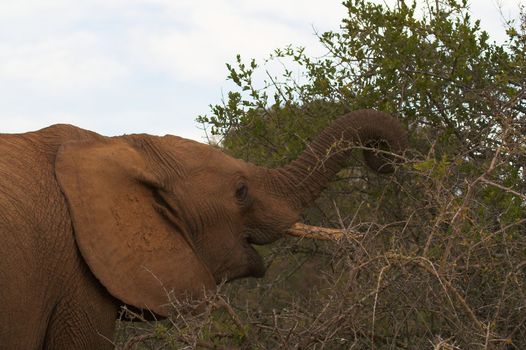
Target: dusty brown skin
x=89 y=223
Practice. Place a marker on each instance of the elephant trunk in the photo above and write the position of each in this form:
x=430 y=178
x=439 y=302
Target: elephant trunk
x=302 y=180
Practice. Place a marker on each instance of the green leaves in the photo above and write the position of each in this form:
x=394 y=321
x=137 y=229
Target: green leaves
x=435 y=169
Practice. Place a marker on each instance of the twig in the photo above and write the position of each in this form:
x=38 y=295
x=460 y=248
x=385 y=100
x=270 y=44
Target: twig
x=137 y=339
x=380 y=275
x=222 y=303
x=494 y=184
x=320 y=233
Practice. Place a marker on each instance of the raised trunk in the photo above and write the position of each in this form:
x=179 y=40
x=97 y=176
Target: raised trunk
x=302 y=180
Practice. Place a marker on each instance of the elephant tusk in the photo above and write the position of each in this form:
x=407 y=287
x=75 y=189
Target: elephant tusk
x=319 y=233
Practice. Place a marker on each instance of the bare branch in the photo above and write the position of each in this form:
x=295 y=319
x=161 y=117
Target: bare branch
x=320 y=233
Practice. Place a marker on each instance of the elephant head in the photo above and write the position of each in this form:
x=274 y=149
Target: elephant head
x=160 y=215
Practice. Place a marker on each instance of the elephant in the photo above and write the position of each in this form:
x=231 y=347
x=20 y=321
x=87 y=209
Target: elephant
x=90 y=223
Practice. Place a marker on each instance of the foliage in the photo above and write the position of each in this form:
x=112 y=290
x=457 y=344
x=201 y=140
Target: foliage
x=436 y=253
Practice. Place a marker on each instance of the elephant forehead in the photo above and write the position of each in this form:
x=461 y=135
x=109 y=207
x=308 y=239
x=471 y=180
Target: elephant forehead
x=216 y=165
x=200 y=158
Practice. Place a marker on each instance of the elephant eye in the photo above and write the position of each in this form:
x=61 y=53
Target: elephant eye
x=242 y=192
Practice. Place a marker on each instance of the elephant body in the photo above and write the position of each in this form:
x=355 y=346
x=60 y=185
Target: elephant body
x=90 y=223
x=49 y=298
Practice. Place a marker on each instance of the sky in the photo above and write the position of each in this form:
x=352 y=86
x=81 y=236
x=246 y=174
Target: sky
x=151 y=66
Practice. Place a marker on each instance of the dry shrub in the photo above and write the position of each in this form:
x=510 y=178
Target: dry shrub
x=440 y=264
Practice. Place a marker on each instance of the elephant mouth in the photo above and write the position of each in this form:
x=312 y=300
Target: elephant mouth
x=251 y=238
x=256 y=264
x=263 y=236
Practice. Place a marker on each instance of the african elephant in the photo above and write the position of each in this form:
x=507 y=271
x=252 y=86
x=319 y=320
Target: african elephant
x=90 y=223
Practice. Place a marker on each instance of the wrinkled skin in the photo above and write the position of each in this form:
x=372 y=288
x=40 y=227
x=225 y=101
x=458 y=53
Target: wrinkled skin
x=89 y=223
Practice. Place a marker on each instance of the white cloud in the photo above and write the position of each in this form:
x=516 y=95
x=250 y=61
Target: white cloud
x=23 y=123
x=67 y=44
x=22 y=8
x=213 y=34
x=57 y=64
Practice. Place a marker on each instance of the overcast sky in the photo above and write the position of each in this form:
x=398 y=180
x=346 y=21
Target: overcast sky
x=128 y=66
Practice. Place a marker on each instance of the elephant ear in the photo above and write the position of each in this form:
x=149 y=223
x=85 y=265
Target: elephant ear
x=138 y=255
